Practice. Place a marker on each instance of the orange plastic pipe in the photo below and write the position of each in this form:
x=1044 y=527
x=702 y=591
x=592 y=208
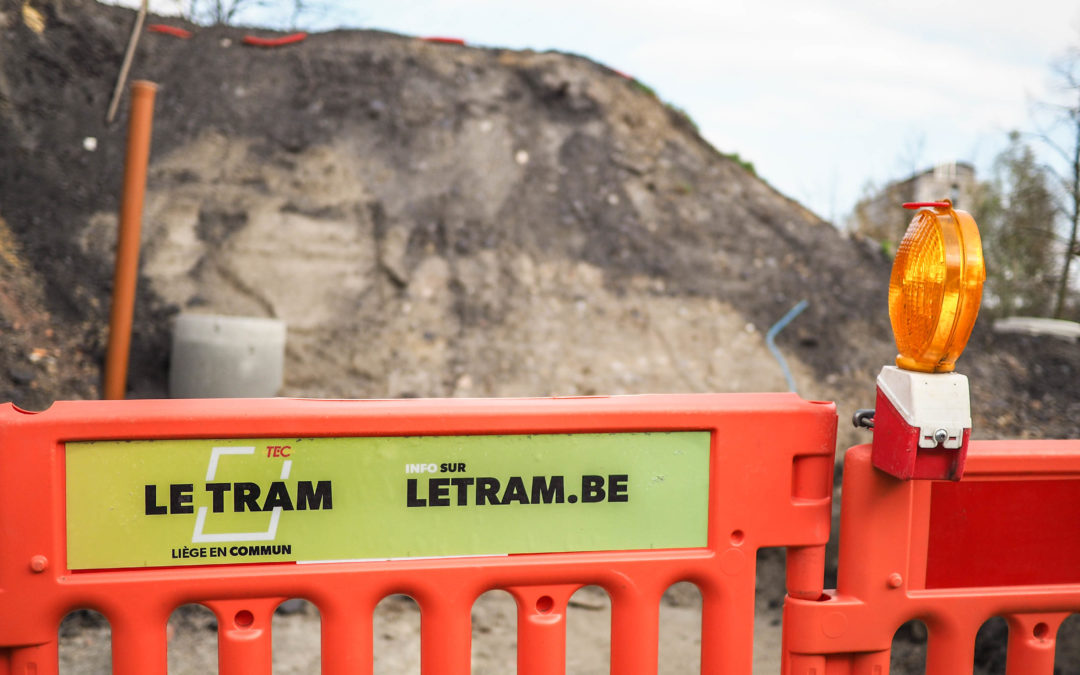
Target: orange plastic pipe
x=127 y=242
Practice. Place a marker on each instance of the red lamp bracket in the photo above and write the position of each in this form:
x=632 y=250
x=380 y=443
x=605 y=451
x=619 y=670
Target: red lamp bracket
x=922 y=424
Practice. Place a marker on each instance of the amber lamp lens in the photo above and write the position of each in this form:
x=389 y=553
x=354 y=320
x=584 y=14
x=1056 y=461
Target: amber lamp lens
x=935 y=289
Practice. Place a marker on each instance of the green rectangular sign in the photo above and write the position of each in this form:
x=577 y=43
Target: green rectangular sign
x=163 y=503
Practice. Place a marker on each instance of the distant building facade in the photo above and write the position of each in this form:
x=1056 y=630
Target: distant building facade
x=880 y=217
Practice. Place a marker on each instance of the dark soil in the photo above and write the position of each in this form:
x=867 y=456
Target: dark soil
x=716 y=231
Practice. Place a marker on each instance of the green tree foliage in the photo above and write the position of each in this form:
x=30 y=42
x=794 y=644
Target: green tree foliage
x=1016 y=212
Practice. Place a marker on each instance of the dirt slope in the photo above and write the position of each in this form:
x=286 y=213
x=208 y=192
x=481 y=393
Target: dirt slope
x=468 y=175
x=437 y=220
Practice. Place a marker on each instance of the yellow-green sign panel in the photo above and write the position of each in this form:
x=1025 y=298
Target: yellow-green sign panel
x=204 y=502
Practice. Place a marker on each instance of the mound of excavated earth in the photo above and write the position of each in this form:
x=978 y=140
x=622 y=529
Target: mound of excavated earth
x=429 y=220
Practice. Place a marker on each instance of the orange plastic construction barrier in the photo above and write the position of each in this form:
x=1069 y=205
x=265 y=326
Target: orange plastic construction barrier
x=1004 y=541
x=133 y=508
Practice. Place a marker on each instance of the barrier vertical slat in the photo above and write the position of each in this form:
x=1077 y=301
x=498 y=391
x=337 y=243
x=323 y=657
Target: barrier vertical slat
x=348 y=636
x=635 y=630
x=1032 y=640
x=139 y=642
x=245 y=643
x=950 y=648
x=541 y=628
x=727 y=619
x=712 y=623
x=445 y=632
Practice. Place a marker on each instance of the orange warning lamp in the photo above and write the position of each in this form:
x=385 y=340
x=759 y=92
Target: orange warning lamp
x=922 y=421
x=936 y=287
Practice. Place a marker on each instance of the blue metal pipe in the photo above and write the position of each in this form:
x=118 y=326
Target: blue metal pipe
x=770 y=340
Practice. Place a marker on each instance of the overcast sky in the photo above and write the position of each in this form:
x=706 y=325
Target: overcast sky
x=823 y=97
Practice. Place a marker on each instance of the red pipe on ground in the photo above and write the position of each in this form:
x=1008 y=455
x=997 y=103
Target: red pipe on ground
x=274 y=42
x=169 y=30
